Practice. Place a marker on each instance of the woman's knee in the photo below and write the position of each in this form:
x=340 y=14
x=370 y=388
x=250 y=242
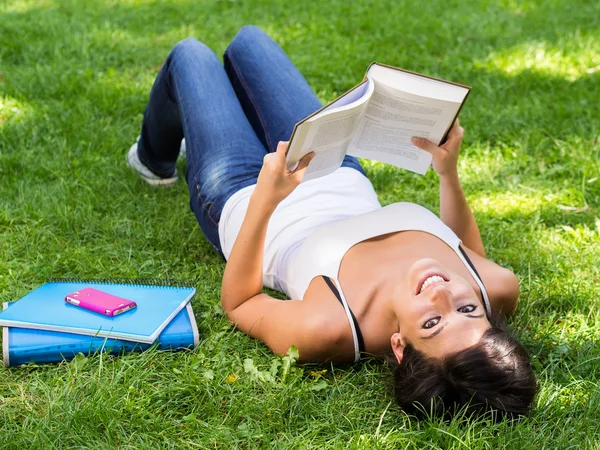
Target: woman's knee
x=249 y=38
x=191 y=49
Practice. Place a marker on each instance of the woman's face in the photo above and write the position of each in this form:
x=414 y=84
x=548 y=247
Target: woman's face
x=438 y=311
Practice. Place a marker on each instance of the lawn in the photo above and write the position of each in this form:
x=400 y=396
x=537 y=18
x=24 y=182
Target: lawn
x=74 y=79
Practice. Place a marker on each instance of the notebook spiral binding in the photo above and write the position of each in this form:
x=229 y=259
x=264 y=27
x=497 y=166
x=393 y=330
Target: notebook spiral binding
x=155 y=282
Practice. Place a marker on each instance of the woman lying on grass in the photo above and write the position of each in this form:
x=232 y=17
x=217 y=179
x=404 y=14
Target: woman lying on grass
x=395 y=282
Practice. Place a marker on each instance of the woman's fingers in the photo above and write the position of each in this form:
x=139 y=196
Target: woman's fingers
x=303 y=163
x=455 y=136
x=457 y=130
x=282 y=147
x=426 y=145
x=445 y=157
x=276 y=159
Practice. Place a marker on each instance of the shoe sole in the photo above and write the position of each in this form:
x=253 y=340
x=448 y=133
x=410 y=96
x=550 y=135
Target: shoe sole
x=160 y=181
x=154 y=181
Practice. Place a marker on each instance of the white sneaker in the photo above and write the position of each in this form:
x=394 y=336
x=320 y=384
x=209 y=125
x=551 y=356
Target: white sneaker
x=182 y=149
x=147 y=175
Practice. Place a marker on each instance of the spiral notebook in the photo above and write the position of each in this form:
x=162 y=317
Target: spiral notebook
x=45 y=309
x=24 y=345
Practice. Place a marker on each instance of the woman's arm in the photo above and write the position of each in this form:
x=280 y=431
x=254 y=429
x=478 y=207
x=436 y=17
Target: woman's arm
x=279 y=324
x=242 y=279
x=501 y=284
x=454 y=208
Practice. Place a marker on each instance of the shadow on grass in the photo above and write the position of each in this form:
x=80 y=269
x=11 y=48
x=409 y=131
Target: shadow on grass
x=122 y=36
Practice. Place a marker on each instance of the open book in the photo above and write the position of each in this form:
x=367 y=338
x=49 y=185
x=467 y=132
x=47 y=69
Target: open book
x=376 y=120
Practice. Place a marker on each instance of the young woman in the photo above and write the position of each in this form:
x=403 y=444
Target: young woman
x=393 y=282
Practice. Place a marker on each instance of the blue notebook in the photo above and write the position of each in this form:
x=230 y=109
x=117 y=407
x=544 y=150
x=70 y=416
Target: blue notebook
x=45 y=309
x=24 y=345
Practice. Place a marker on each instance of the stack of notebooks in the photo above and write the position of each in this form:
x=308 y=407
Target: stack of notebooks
x=41 y=327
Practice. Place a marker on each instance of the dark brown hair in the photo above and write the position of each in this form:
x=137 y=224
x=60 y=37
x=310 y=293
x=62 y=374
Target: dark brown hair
x=493 y=375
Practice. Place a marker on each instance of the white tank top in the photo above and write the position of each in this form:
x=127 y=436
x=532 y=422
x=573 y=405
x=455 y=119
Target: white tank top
x=311 y=231
x=343 y=194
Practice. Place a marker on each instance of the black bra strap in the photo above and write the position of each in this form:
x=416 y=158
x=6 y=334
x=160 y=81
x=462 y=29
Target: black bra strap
x=470 y=262
x=359 y=336
x=486 y=304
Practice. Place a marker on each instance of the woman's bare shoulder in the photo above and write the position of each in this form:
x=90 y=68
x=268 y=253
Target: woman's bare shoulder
x=501 y=284
x=328 y=328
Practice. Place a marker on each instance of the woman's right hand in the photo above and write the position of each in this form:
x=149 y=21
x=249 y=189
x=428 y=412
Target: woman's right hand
x=275 y=181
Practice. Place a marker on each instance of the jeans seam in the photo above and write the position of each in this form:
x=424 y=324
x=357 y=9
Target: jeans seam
x=168 y=62
x=254 y=103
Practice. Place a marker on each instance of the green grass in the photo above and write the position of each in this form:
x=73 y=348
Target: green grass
x=74 y=80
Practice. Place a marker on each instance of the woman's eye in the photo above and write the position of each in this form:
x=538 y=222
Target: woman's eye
x=431 y=323
x=467 y=309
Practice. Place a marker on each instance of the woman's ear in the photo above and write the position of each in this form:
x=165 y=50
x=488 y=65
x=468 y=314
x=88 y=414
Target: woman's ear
x=397 y=346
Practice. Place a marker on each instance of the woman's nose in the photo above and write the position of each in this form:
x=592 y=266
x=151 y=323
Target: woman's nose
x=440 y=294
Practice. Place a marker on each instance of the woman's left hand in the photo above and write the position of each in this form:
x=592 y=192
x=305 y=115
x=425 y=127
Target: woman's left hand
x=445 y=157
x=275 y=181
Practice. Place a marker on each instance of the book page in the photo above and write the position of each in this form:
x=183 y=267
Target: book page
x=392 y=118
x=328 y=134
x=358 y=93
x=329 y=138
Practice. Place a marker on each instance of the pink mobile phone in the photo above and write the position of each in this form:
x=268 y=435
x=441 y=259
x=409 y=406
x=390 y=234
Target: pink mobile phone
x=100 y=302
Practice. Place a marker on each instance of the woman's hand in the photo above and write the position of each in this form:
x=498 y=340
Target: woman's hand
x=454 y=208
x=275 y=181
x=445 y=157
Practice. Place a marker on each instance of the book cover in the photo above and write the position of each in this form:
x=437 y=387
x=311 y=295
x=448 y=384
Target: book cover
x=24 y=345
x=45 y=309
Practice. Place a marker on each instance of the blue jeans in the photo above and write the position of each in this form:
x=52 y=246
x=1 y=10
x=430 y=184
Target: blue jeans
x=230 y=117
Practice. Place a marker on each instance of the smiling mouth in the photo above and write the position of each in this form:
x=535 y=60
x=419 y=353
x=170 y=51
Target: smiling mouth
x=430 y=280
